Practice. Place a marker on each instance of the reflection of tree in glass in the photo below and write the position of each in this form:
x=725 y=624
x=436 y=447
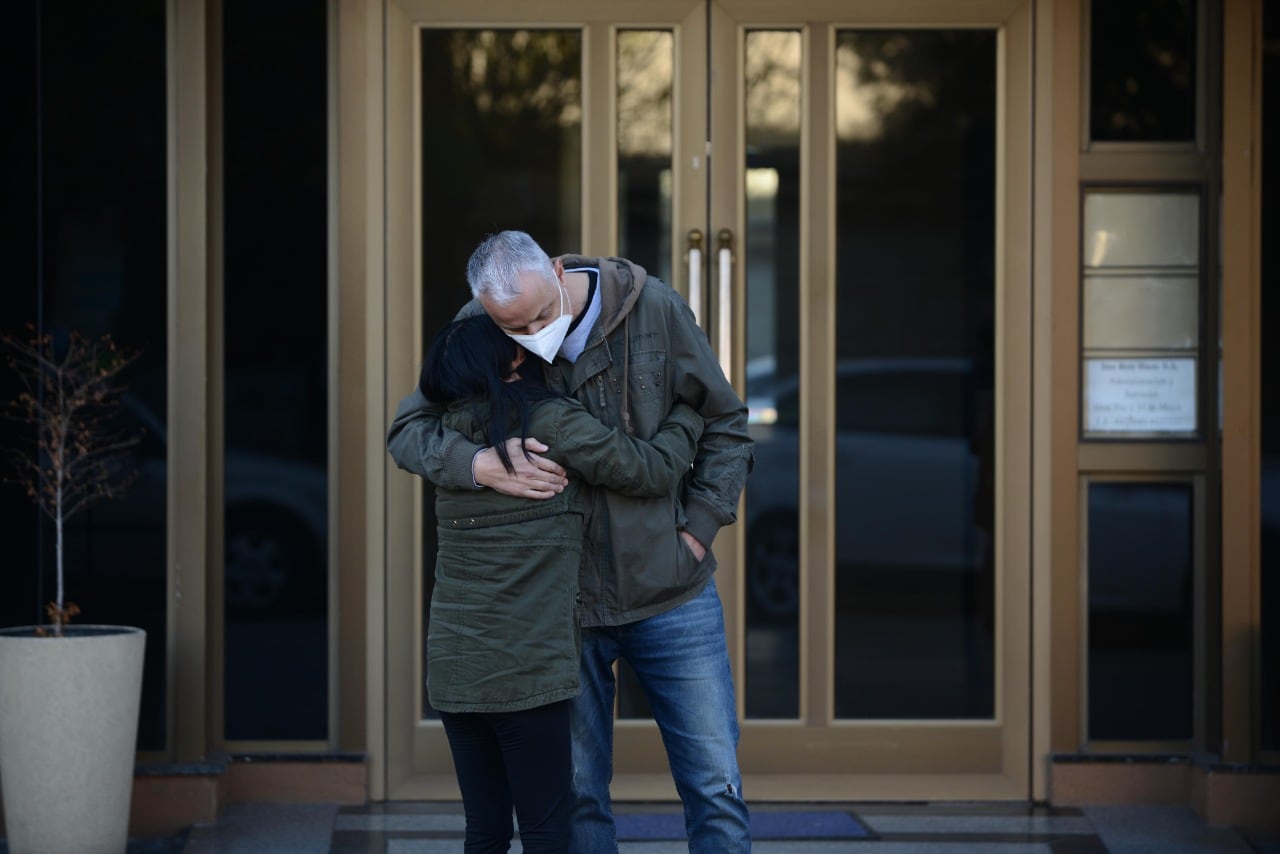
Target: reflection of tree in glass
x=773 y=87
x=916 y=113
x=645 y=74
x=489 y=94
x=500 y=116
x=911 y=86
x=1142 y=70
x=526 y=75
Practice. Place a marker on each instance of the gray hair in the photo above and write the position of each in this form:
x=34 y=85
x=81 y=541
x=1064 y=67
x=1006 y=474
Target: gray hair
x=498 y=262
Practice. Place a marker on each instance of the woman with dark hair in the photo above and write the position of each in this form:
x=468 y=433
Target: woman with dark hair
x=502 y=642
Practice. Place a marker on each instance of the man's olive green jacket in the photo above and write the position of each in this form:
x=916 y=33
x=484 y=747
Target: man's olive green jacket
x=644 y=353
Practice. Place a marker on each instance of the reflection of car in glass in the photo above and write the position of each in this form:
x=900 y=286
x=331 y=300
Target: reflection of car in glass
x=275 y=523
x=907 y=473
x=1144 y=535
x=1271 y=508
x=909 y=494
x=1139 y=553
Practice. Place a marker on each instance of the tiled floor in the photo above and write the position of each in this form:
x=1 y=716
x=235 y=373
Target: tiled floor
x=437 y=828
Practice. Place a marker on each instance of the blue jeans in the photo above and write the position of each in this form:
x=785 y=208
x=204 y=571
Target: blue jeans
x=682 y=663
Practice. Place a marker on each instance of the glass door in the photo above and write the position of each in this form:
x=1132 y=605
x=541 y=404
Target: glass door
x=844 y=200
x=580 y=122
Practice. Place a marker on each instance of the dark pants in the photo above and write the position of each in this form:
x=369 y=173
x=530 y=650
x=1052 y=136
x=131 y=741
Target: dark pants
x=513 y=759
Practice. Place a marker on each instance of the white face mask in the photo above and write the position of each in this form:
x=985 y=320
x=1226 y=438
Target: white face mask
x=545 y=343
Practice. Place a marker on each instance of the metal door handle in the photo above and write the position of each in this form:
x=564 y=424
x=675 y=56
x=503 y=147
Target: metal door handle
x=724 y=307
x=695 y=274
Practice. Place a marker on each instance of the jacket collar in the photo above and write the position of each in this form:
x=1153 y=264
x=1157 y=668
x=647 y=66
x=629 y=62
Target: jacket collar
x=620 y=284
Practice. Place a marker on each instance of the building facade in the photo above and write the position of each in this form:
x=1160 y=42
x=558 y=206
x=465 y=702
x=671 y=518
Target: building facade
x=990 y=275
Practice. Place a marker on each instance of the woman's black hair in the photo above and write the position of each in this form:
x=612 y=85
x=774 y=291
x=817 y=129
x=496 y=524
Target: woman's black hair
x=470 y=360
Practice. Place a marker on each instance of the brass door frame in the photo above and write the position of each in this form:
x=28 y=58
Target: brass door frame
x=411 y=744
x=814 y=757
x=1241 y=394
x=819 y=757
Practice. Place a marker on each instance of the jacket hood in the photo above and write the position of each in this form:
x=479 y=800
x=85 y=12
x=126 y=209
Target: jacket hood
x=620 y=284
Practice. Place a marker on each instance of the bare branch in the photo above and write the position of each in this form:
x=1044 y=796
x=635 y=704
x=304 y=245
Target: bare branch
x=76 y=455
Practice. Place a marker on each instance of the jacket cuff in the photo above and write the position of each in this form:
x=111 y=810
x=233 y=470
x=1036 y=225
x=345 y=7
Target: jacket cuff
x=459 y=457
x=701 y=522
x=688 y=418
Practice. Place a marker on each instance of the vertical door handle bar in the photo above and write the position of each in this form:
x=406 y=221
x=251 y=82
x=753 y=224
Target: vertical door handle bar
x=724 y=306
x=695 y=273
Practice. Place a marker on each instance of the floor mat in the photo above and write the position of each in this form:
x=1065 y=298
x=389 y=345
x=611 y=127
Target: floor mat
x=781 y=824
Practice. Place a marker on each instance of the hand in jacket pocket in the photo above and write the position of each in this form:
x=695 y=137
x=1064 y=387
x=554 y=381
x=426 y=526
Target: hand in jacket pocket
x=698 y=549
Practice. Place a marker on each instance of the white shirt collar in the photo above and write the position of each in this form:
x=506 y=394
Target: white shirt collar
x=576 y=341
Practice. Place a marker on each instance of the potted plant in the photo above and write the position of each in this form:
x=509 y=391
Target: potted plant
x=69 y=695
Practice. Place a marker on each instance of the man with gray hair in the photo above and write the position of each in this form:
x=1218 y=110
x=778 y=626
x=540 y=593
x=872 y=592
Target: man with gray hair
x=628 y=347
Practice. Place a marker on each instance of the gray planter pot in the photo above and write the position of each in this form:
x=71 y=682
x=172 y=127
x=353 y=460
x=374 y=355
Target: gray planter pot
x=68 y=736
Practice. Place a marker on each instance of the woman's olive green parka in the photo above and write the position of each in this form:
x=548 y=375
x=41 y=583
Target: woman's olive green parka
x=503 y=634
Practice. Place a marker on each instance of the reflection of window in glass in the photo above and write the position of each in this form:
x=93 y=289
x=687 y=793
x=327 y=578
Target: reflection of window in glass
x=646 y=75
x=1140 y=312
x=915 y=526
x=1140 y=651
x=925 y=399
x=771 y=189
x=276 y=565
x=85 y=248
x=1142 y=71
x=1269 y=323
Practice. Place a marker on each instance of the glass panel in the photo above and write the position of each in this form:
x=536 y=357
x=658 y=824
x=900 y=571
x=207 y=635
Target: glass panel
x=646 y=80
x=772 y=254
x=1141 y=229
x=85 y=249
x=1142 y=312
x=1142 y=70
x=1269 y=324
x=1154 y=308
x=1140 y=655
x=276 y=407
x=915 y=400
x=501 y=148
